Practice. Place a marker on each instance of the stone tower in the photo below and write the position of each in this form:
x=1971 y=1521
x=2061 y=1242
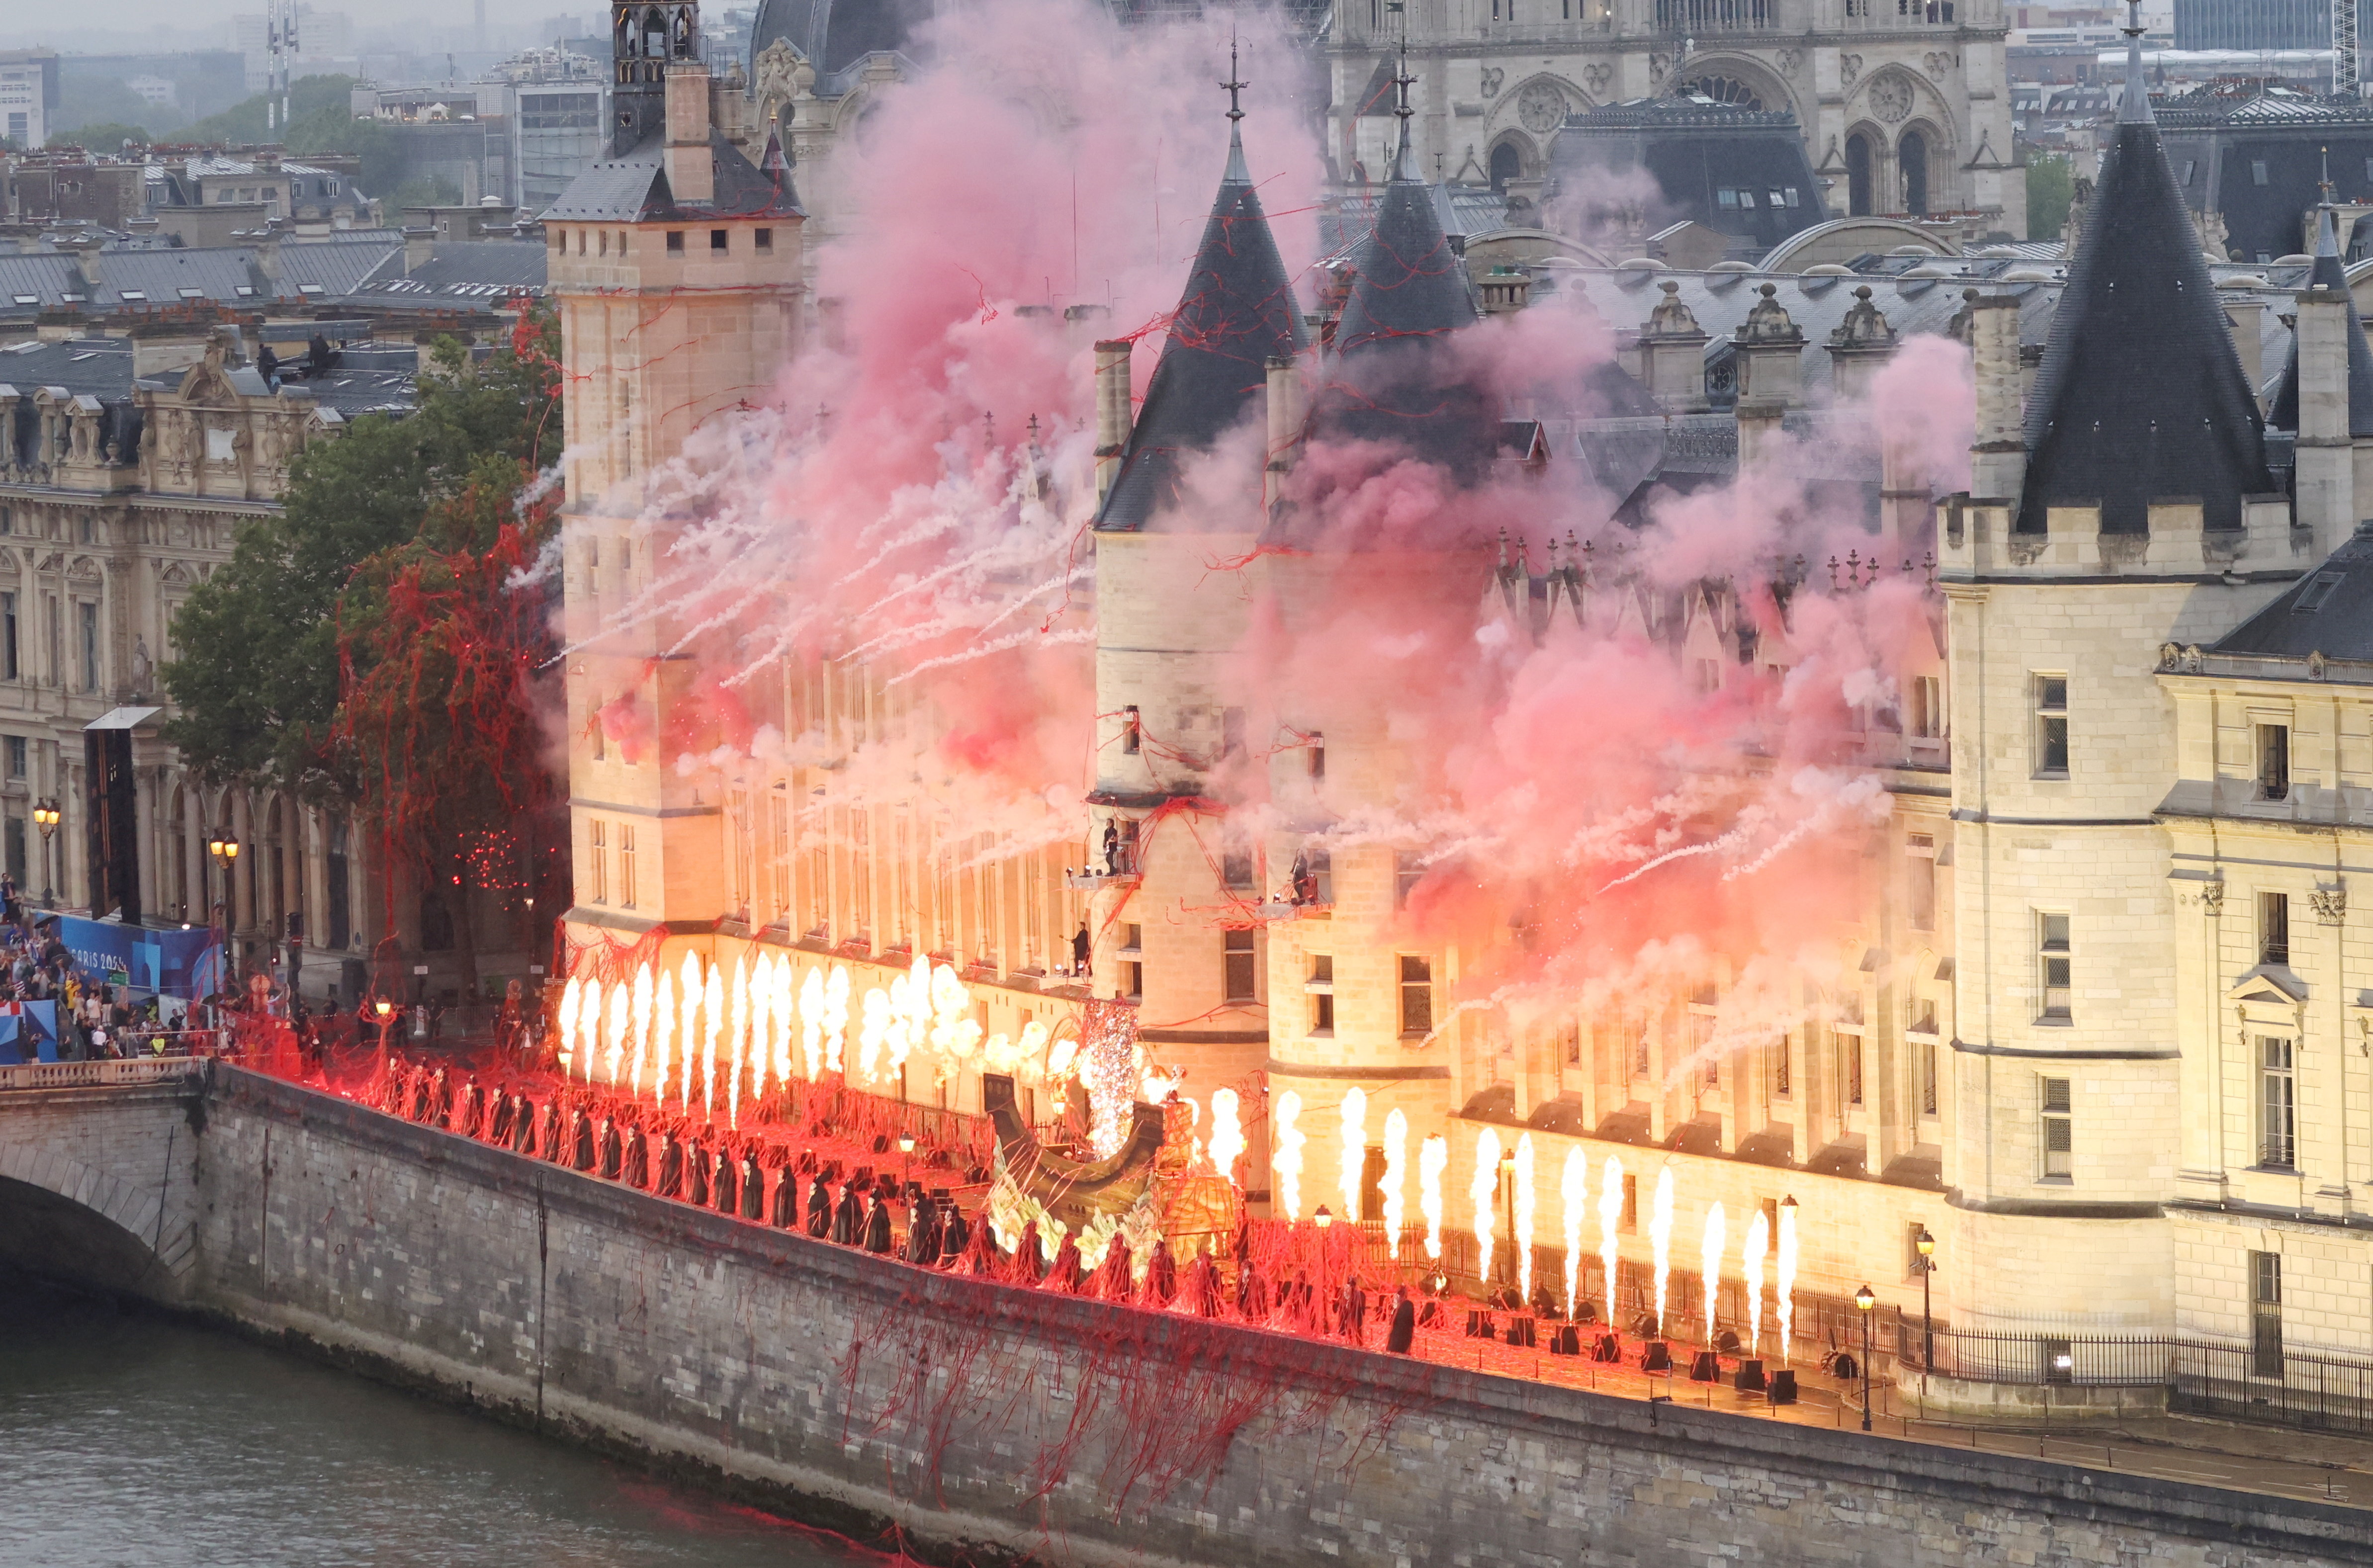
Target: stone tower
x=1179 y=929
x=2131 y=507
x=676 y=264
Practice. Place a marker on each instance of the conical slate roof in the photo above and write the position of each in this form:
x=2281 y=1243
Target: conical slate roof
x=2141 y=395
x=1237 y=314
x=2327 y=273
x=1407 y=280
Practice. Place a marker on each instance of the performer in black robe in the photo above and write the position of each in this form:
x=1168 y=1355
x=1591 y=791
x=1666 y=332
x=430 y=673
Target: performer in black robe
x=787 y=1198
x=819 y=1208
x=848 y=1219
x=499 y=1130
x=1199 y=1289
x=523 y=1126
x=754 y=1186
x=923 y=1233
x=1029 y=1264
x=1065 y=1275
x=725 y=1186
x=1117 y=1275
x=696 y=1173
x=465 y=1109
x=955 y=1234
x=1252 y=1295
x=1160 y=1275
x=671 y=1167
x=554 y=1140
x=877 y=1227
x=1404 y=1330
x=582 y=1135
x=614 y=1150
x=639 y=1160
x=979 y=1258
x=1354 y=1315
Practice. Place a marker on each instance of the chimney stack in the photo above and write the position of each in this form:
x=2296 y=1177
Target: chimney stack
x=1112 y=411
x=691 y=169
x=1999 y=458
x=1285 y=419
x=2325 y=487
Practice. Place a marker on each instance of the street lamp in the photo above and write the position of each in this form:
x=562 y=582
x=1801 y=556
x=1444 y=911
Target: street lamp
x=906 y=1158
x=1508 y=1190
x=1866 y=1301
x=1927 y=1245
x=45 y=817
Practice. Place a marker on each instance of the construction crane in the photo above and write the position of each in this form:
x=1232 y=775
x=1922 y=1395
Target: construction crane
x=2344 y=75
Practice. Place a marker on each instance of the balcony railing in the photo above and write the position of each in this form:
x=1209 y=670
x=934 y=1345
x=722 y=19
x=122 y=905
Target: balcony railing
x=98 y=1074
x=1694 y=17
x=2230 y=1381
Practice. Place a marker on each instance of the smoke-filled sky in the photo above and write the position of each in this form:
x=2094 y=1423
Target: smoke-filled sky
x=1649 y=831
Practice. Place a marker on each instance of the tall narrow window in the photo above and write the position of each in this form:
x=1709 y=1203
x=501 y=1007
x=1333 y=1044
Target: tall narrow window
x=1132 y=733
x=1417 y=995
x=1409 y=870
x=1236 y=962
x=1639 y=1053
x=1927 y=707
x=1236 y=868
x=1919 y=880
x=2273 y=762
x=2266 y=1315
x=1782 y=1050
x=1321 y=1013
x=87 y=620
x=600 y=869
x=1231 y=731
x=2051 y=725
x=19 y=757
x=2059 y=1131
x=2277 y=1104
x=779 y=807
x=2052 y=965
x=2274 y=927
x=626 y=864
x=1318 y=759
x=8 y=636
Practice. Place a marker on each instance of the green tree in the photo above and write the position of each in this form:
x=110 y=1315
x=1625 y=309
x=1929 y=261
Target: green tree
x=365 y=647
x=322 y=99
x=2048 y=188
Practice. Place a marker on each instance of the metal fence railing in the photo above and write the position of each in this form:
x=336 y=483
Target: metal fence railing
x=2231 y=1381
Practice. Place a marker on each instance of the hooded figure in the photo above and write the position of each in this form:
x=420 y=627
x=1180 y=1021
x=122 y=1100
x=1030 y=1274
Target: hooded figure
x=1252 y=1295
x=819 y=1208
x=465 y=1109
x=725 y=1187
x=583 y=1140
x=877 y=1227
x=554 y=1139
x=614 y=1150
x=1113 y=1281
x=923 y=1234
x=1065 y=1275
x=955 y=1235
x=754 y=1186
x=1199 y=1290
x=1029 y=1264
x=1160 y=1275
x=979 y=1255
x=639 y=1160
x=787 y=1198
x=848 y=1219
x=696 y=1173
x=1403 y=1333
x=1354 y=1319
x=671 y=1167
x=523 y=1126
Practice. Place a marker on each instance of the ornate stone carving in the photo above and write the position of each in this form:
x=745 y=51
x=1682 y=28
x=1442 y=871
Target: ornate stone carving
x=2212 y=896
x=1541 y=107
x=1849 y=68
x=2330 y=904
x=1493 y=78
x=1596 y=78
x=1936 y=63
x=1790 y=61
x=2315 y=664
x=1890 y=98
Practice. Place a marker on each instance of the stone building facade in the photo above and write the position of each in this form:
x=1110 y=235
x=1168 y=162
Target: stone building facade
x=130 y=463
x=1904 y=104
x=2095 y=1030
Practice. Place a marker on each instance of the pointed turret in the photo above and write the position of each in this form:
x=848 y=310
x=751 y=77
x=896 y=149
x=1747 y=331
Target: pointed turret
x=2327 y=273
x=2141 y=395
x=1407 y=280
x=1236 y=315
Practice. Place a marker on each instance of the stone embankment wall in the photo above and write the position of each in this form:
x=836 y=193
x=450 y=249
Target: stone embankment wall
x=857 y=1392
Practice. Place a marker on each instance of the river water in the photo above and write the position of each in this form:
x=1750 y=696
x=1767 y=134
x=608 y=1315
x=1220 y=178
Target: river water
x=130 y=1441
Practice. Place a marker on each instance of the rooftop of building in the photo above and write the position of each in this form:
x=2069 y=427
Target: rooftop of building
x=632 y=187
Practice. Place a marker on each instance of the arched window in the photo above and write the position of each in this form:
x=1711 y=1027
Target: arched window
x=1507 y=164
x=1858 y=181
x=655 y=35
x=1725 y=90
x=1912 y=153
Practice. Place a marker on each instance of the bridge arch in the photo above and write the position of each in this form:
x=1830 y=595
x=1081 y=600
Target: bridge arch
x=96 y=1186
